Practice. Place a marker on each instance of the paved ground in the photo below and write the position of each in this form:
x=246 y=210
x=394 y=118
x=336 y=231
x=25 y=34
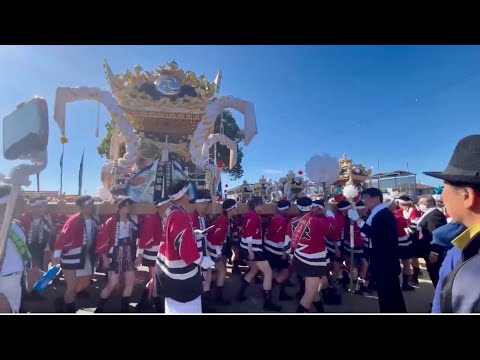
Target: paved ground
x=417 y=301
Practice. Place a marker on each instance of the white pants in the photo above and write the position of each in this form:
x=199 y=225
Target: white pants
x=11 y=287
x=191 y=307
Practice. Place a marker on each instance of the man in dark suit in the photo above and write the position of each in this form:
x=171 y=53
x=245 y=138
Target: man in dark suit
x=431 y=219
x=381 y=228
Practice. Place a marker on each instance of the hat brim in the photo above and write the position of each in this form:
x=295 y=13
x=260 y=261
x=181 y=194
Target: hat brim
x=454 y=178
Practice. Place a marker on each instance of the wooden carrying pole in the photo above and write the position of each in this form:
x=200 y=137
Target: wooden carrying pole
x=352 y=238
x=108 y=208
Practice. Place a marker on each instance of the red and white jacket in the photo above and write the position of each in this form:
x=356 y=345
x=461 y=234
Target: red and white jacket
x=199 y=223
x=275 y=235
x=178 y=258
x=403 y=232
x=331 y=238
x=358 y=241
x=252 y=231
x=46 y=234
x=151 y=236
x=412 y=215
x=292 y=224
x=72 y=240
x=308 y=240
x=398 y=212
x=216 y=238
x=55 y=224
x=107 y=237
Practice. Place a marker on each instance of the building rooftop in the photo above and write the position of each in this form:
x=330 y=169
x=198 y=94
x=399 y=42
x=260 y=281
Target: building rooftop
x=407 y=188
x=424 y=187
x=396 y=173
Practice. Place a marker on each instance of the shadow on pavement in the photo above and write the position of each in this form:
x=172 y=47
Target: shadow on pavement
x=417 y=301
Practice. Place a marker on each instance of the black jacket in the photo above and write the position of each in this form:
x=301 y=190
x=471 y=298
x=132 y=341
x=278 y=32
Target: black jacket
x=428 y=224
x=384 y=258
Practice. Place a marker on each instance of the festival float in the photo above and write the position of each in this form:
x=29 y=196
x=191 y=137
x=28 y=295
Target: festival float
x=165 y=119
x=241 y=193
x=355 y=175
x=293 y=185
x=261 y=188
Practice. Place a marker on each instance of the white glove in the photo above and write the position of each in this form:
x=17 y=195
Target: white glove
x=207 y=263
x=329 y=214
x=198 y=234
x=353 y=214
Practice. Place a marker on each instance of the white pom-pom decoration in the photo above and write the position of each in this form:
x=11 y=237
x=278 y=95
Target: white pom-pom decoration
x=322 y=168
x=350 y=192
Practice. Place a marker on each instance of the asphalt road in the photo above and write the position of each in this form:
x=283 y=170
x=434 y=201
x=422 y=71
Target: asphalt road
x=417 y=301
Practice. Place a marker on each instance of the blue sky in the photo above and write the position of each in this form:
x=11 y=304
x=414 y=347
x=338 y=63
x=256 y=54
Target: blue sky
x=386 y=104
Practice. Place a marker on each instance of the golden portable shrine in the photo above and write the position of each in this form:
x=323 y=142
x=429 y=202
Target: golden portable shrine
x=165 y=119
x=350 y=173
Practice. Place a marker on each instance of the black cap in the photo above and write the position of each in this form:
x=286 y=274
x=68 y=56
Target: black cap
x=343 y=205
x=162 y=201
x=177 y=187
x=359 y=204
x=37 y=201
x=284 y=204
x=304 y=204
x=405 y=200
x=319 y=203
x=203 y=196
x=84 y=201
x=229 y=204
x=464 y=165
x=123 y=202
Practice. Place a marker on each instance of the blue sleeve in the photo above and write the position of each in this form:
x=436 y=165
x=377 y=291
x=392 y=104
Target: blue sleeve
x=453 y=257
x=445 y=234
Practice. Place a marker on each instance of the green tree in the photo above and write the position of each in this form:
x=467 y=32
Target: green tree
x=104 y=148
x=230 y=129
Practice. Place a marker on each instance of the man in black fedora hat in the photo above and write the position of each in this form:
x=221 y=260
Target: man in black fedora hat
x=461 y=195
